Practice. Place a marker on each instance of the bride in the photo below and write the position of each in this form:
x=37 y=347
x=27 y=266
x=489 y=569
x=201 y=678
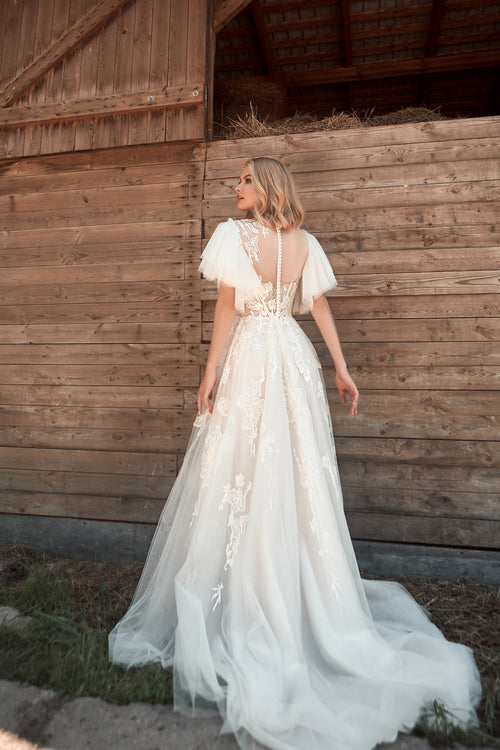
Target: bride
x=251 y=591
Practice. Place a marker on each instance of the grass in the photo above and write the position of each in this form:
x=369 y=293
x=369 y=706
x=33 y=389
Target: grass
x=66 y=645
x=74 y=604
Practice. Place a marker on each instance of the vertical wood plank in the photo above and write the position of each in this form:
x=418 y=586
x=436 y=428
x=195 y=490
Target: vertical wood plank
x=158 y=71
x=84 y=133
x=106 y=44
x=177 y=63
x=54 y=77
x=196 y=63
x=141 y=63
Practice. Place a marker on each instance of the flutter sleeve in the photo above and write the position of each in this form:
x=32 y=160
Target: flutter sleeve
x=225 y=261
x=317 y=277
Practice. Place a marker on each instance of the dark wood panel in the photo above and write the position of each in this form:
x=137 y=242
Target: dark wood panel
x=69 y=505
x=451 y=532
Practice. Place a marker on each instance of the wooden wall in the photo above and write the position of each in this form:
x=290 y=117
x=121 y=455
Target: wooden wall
x=99 y=327
x=86 y=74
x=104 y=324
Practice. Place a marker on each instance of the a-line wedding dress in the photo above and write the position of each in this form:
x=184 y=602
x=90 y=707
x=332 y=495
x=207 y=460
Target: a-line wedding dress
x=251 y=591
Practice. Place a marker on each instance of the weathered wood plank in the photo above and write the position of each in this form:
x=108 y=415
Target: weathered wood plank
x=136 y=212
x=88 y=178
x=119 y=418
x=159 y=66
x=430 y=452
x=167 y=312
x=387 y=238
x=442 y=404
x=436 y=378
x=117 y=158
x=111 y=333
x=451 y=482
x=159 y=397
x=167 y=250
x=108 y=374
x=102 y=235
x=456 y=532
x=169 y=268
x=127 y=291
x=108 y=462
x=100 y=438
x=419 y=354
x=408 y=425
x=91 y=198
x=64 y=505
x=190 y=95
x=416 y=260
x=97 y=354
x=85 y=483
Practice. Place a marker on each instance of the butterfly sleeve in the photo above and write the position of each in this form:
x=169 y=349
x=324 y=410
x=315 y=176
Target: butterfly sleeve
x=317 y=277
x=225 y=261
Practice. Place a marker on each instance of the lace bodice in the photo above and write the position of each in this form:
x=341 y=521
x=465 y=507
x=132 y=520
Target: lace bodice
x=265 y=303
x=264 y=249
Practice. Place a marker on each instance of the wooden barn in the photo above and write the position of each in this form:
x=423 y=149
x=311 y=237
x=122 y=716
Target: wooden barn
x=110 y=184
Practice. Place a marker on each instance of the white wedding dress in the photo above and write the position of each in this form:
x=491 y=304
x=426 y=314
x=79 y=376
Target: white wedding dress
x=251 y=591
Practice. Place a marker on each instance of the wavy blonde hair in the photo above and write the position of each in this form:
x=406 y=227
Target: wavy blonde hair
x=277 y=205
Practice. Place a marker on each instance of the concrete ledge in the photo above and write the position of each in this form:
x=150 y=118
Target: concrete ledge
x=107 y=541
x=387 y=559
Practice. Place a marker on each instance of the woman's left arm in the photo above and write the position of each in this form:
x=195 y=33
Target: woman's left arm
x=324 y=320
x=223 y=319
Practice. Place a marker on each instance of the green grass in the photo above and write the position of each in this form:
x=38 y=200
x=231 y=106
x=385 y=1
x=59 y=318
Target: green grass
x=437 y=726
x=61 y=650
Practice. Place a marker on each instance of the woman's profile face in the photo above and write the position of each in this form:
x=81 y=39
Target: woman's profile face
x=245 y=191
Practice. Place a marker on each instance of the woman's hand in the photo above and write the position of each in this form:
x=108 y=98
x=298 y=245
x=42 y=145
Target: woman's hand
x=344 y=383
x=205 y=390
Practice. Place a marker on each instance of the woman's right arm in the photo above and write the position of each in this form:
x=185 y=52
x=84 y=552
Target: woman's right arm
x=223 y=319
x=324 y=320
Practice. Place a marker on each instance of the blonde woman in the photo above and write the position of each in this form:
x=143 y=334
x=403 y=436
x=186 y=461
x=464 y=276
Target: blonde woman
x=251 y=590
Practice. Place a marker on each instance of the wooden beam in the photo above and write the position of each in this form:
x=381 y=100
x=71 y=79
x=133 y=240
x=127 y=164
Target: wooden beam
x=285 y=5
x=226 y=10
x=267 y=51
x=394 y=68
x=306 y=41
x=438 y=9
x=104 y=106
x=382 y=14
x=85 y=27
x=346 y=25
x=313 y=22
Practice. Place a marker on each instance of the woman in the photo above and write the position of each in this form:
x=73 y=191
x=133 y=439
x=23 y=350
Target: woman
x=251 y=589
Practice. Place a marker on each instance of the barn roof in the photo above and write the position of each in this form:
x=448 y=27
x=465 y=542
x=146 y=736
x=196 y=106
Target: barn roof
x=365 y=54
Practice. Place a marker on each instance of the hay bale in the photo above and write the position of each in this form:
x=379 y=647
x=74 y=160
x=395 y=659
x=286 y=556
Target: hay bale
x=252 y=121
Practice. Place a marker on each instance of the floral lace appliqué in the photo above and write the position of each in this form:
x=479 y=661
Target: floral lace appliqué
x=334 y=476
x=309 y=480
x=252 y=404
x=236 y=498
x=249 y=233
